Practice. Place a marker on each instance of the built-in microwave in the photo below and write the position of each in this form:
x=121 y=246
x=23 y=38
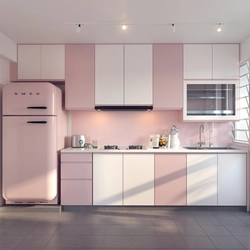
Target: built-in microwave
x=210 y=100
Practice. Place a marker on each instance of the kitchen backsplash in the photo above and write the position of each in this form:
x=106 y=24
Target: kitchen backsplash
x=124 y=128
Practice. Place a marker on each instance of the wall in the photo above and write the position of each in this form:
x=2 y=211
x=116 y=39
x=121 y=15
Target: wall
x=125 y=128
x=4 y=78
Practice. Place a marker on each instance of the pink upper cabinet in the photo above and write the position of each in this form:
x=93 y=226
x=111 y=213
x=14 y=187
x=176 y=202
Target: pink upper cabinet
x=168 y=76
x=80 y=77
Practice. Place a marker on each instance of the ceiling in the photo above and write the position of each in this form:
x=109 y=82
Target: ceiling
x=149 y=21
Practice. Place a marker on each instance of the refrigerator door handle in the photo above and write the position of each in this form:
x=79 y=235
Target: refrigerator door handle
x=37 y=107
x=37 y=122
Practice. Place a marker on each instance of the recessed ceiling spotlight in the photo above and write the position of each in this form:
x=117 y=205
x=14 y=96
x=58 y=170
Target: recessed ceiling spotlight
x=78 y=29
x=124 y=26
x=219 y=27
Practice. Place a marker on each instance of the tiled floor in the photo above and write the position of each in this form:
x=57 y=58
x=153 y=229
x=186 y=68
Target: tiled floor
x=125 y=228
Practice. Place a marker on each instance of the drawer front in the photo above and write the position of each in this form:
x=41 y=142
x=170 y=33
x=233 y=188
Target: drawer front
x=80 y=157
x=76 y=192
x=78 y=170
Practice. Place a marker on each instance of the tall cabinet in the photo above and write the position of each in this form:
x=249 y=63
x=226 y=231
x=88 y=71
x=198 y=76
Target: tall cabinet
x=168 y=76
x=79 y=76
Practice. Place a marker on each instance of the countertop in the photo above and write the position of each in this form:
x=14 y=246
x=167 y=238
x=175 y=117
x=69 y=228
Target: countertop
x=151 y=150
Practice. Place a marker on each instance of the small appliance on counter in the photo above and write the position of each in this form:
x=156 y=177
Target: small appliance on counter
x=78 y=141
x=175 y=142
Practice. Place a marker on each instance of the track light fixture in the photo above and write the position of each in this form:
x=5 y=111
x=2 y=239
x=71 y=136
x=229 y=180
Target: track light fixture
x=78 y=29
x=173 y=27
x=219 y=27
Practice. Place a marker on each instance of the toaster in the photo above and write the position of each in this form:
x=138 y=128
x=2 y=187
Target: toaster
x=78 y=141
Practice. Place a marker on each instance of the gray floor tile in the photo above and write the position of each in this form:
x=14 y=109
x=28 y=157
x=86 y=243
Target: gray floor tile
x=199 y=242
x=11 y=241
x=239 y=230
x=186 y=221
x=216 y=230
x=117 y=230
x=44 y=229
x=93 y=230
x=68 y=229
x=143 y=242
x=175 y=242
x=226 y=242
x=191 y=230
x=166 y=230
x=35 y=241
x=116 y=242
x=208 y=221
x=244 y=240
x=77 y=241
x=231 y=221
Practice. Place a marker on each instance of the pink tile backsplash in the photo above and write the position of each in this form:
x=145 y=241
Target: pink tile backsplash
x=130 y=127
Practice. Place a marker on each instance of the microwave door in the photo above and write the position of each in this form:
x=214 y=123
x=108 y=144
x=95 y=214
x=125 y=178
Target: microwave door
x=29 y=158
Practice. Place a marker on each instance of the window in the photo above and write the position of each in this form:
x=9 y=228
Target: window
x=240 y=129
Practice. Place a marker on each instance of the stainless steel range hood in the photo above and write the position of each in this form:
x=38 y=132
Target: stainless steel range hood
x=124 y=108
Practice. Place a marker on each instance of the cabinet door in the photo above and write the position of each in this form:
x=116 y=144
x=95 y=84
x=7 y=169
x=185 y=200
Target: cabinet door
x=138 y=75
x=170 y=179
x=226 y=61
x=107 y=179
x=109 y=74
x=232 y=179
x=76 y=192
x=197 y=61
x=79 y=77
x=138 y=179
x=53 y=62
x=202 y=179
x=29 y=62
x=168 y=76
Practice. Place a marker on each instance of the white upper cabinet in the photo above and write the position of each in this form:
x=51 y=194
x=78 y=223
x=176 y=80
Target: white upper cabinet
x=123 y=75
x=197 y=61
x=226 y=61
x=40 y=62
x=109 y=74
x=29 y=62
x=138 y=74
x=53 y=61
x=211 y=61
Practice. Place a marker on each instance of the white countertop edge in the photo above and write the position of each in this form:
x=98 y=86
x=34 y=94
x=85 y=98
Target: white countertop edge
x=167 y=150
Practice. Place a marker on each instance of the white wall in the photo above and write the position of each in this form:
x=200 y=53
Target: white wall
x=245 y=50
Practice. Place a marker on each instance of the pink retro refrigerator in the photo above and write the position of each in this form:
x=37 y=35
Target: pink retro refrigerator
x=34 y=130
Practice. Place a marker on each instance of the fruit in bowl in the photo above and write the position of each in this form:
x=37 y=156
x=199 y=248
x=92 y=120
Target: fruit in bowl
x=163 y=140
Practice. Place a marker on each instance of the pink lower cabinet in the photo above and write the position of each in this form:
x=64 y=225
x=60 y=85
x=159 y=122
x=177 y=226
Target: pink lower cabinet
x=76 y=179
x=170 y=179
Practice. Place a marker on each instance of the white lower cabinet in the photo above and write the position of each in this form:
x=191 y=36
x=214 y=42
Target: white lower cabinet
x=232 y=179
x=123 y=179
x=138 y=179
x=202 y=179
x=107 y=179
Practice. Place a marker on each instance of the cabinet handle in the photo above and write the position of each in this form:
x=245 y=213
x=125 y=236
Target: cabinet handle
x=37 y=122
x=37 y=107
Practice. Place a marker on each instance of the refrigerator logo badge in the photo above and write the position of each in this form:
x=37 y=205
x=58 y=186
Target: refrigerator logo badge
x=24 y=93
